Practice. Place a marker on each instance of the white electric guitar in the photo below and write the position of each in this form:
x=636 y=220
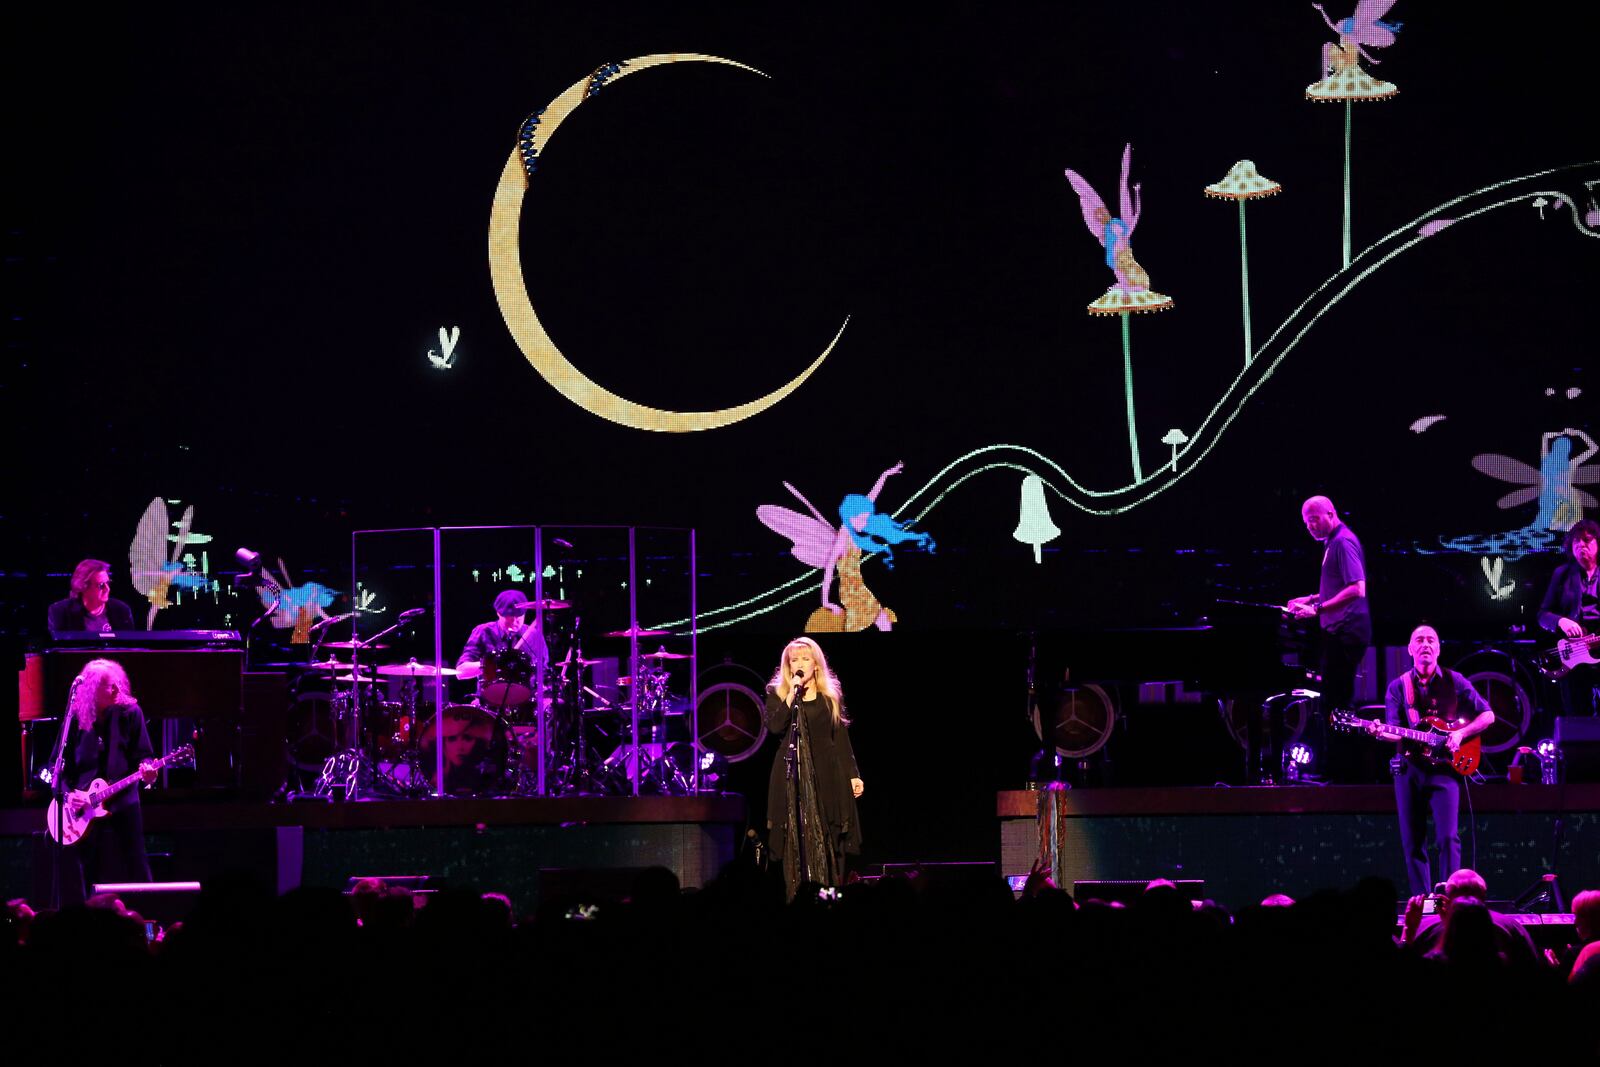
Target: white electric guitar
x=84 y=806
x=1569 y=652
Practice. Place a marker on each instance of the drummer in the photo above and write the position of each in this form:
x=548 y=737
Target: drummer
x=509 y=629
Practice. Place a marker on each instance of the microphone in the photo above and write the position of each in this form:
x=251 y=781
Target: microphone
x=798 y=686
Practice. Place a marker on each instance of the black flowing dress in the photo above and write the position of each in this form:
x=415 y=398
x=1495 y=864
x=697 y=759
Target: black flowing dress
x=826 y=805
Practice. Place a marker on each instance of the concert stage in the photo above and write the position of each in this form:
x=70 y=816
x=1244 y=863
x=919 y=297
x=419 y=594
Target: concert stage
x=1249 y=842
x=499 y=845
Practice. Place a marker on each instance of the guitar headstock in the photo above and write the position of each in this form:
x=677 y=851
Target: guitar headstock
x=1343 y=720
x=182 y=756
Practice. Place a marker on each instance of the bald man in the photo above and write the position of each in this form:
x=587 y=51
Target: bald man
x=1426 y=690
x=1339 y=604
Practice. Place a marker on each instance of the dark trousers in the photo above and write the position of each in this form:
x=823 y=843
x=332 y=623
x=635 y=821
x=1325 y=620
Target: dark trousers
x=111 y=851
x=1339 y=660
x=1343 y=757
x=1417 y=790
x=1577 y=690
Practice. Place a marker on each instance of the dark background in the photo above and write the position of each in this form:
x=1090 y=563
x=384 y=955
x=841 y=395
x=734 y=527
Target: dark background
x=232 y=234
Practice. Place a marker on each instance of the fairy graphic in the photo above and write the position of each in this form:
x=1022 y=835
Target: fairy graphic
x=1365 y=27
x=1554 y=484
x=153 y=570
x=298 y=605
x=1115 y=234
x=817 y=543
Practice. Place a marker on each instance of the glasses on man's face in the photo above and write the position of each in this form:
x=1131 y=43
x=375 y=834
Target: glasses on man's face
x=102 y=585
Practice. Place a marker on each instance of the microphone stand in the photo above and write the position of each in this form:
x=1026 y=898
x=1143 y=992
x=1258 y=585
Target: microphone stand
x=277 y=599
x=58 y=790
x=797 y=806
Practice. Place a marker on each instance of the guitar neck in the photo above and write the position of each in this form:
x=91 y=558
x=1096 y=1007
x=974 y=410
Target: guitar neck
x=100 y=796
x=1424 y=736
x=1409 y=734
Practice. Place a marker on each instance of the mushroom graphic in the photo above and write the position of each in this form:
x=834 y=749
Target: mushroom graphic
x=1131 y=293
x=1343 y=78
x=1175 y=437
x=1243 y=182
x=1034 y=526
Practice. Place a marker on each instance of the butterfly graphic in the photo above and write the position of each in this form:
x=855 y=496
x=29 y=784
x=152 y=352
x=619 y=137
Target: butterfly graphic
x=447 y=345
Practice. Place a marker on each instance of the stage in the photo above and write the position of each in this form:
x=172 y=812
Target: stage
x=499 y=845
x=1248 y=842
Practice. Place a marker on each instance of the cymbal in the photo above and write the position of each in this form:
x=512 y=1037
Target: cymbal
x=664 y=655
x=631 y=632
x=413 y=670
x=350 y=644
x=546 y=604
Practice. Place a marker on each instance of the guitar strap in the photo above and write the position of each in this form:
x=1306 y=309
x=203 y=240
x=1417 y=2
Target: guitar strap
x=1411 y=697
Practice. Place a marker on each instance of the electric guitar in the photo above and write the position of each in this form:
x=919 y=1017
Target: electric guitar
x=86 y=805
x=1464 y=760
x=1569 y=652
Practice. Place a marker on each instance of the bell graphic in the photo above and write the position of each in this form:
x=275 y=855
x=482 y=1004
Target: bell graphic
x=1033 y=525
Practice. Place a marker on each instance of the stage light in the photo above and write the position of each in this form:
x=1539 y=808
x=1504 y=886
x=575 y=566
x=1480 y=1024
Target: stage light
x=1549 y=762
x=1297 y=762
x=250 y=576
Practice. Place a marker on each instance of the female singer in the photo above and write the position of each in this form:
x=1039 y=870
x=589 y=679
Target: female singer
x=811 y=795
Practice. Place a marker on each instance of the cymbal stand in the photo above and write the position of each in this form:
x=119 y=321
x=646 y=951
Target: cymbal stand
x=351 y=771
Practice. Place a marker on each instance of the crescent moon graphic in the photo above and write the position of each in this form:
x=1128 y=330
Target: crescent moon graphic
x=505 y=267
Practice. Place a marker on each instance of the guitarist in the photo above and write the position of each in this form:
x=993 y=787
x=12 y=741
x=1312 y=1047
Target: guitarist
x=1571 y=608
x=106 y=739
x=1429 y=690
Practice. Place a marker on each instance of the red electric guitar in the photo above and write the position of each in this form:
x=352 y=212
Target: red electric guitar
x=1428 y=744
x=86 y=805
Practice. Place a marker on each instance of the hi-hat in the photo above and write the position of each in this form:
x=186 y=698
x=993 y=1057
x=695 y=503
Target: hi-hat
x=535 y=605
x=634 y=632
x=664 y=654
x=413 y=670
x=335 y=665
x=350 y=644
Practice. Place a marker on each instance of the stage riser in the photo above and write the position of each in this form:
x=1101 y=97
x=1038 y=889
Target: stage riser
x=1245 y=857
x=500 y=858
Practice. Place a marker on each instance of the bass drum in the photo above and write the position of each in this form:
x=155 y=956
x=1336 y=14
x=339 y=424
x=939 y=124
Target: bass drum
x=318 y=725
x=474 y=750
x=1508 y=685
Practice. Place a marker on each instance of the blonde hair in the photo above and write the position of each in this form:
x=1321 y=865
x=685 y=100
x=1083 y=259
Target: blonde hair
x=825 y=681
x=97 y=676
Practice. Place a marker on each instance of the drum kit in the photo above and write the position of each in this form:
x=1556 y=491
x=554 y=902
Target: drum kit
x=359 y=729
